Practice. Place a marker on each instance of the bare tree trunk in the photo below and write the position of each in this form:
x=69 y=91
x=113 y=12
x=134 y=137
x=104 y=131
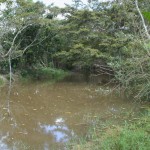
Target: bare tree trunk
x=142 y=18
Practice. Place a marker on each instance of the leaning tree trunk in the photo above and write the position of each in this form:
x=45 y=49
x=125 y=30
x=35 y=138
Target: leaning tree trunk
x=142 y=18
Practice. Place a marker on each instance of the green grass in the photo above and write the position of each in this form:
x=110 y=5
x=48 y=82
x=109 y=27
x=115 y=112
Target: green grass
x=42 y=73
x=129 y=137
x=112 y=135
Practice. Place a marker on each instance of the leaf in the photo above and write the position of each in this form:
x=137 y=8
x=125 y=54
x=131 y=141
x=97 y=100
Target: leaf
x=146 y=15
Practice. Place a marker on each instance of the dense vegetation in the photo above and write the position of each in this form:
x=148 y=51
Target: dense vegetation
x=99 y=37
x=110 y=38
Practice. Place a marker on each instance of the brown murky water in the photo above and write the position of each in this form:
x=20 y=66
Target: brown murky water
x=44 y=116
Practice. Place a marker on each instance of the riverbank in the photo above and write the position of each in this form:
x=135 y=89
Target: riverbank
x=47 y=74
x=42 y=74
x=123 y=132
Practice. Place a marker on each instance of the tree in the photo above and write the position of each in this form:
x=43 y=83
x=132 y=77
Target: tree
x=102 y=31
x=17 y=17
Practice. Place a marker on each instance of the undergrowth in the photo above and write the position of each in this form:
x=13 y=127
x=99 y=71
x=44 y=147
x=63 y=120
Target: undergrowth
x=133 y=71
x=43 y=73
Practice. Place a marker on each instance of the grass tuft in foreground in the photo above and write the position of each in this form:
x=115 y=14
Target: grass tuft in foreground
x=131 y=135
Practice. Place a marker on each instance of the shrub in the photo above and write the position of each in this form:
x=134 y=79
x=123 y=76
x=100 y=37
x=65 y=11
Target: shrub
x=133 y=72
x=44 y=73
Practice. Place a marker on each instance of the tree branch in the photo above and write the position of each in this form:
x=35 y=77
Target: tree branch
x=142 y=18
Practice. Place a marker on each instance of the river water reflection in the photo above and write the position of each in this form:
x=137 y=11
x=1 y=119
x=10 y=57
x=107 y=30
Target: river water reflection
x=44 y=115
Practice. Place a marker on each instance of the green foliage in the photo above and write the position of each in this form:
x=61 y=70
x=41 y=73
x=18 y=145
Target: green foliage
x=132 y=71
x=103 y=31
x=79 y=55
x=44 y=73
x=147 y=15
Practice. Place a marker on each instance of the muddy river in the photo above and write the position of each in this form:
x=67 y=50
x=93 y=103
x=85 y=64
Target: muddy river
x=44 y=116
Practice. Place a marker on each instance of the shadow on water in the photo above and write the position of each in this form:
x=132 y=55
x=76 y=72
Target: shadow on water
x=48 y=115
